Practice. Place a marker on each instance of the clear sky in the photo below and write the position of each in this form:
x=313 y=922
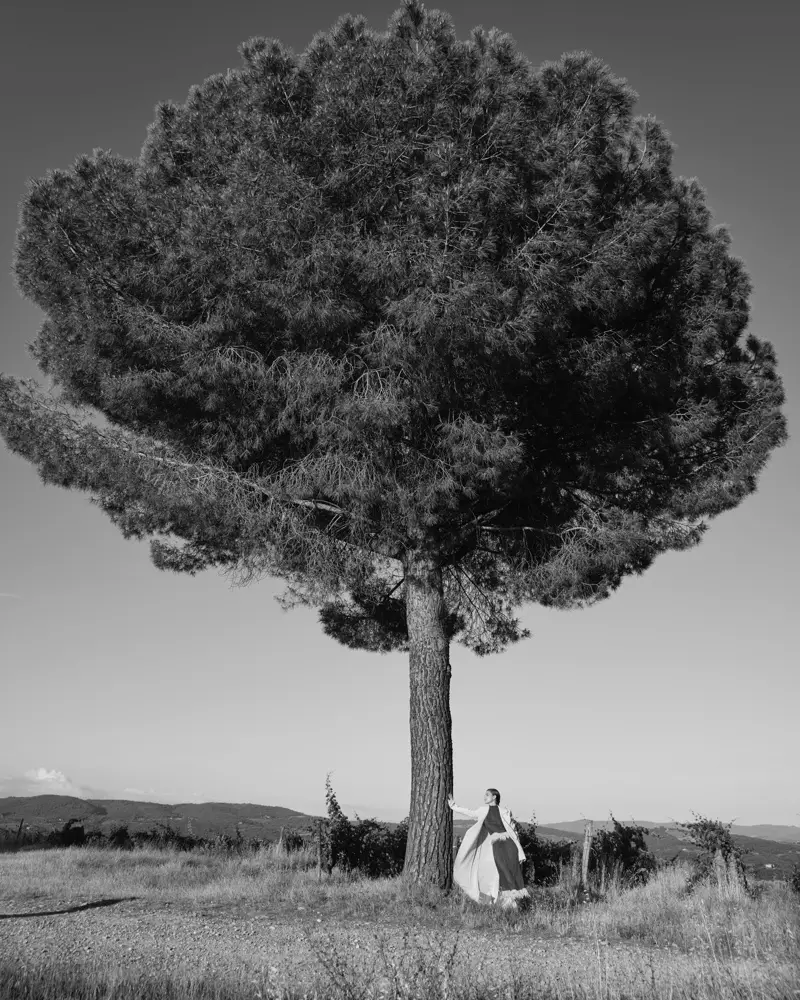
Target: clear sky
x=678 y=694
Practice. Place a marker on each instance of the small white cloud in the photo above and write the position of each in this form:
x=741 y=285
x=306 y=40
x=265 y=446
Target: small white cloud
x=48 y=781
x=42 y=774
x=134 y=791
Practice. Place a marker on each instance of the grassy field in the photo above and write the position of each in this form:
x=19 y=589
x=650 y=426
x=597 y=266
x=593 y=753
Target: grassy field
x=117 y=925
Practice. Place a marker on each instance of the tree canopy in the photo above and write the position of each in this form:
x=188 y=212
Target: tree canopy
x=400 y=297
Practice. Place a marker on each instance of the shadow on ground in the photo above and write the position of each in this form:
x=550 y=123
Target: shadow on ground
x=69 y=909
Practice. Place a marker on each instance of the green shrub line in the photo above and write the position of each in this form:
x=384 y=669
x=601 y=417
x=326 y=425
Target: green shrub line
x=161 y=835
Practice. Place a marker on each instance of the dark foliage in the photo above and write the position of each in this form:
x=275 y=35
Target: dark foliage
x=161 y=836
x=794 y=878
x=28 y=838
x=544 y=858
x=164 y=836
x=120 y=837
x=373 y=849
x=397 y=294
x=292 y=840
x=70 y=835
x=622 y=851
x=718 y=851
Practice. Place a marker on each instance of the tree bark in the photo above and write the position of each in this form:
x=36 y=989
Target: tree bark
x=429 y=853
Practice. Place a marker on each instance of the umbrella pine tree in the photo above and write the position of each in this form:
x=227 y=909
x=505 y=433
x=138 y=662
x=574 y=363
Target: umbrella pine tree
x=422 y=330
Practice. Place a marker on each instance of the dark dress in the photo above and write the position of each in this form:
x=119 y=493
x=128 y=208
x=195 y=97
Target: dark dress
x=505 y=852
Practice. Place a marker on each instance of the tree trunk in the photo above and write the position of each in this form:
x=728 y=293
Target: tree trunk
x=429 y=854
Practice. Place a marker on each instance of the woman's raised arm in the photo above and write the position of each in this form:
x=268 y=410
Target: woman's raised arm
x=471 y=813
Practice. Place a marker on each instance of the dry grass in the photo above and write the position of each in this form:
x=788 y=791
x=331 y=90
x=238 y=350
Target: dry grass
x=207 y=926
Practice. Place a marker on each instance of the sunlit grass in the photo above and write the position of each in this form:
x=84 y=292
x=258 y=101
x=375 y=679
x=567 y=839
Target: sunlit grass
x=149 y=872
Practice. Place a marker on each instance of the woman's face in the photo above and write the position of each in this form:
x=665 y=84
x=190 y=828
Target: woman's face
x=488 y=798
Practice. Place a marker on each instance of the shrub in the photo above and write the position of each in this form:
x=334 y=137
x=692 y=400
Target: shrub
x=374 y=849
x=544 y=859
x=69 y=835
x=120 y=837
x=17 y=839
x=292 y=840
x=380 y=850
x=718 y=856
x=226 y=844
x=163 y=836
x=622 y=851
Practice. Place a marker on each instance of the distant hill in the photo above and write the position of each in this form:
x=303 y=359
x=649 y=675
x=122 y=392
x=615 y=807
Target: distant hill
x=206 y=819
x=575 y=826
x=43 y=807
x=766 y=831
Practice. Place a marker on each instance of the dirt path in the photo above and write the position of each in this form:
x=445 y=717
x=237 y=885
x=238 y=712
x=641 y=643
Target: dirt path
x=131 y=934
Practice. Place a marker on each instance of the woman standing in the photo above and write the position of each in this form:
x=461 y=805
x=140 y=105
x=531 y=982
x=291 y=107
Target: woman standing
x=487 y=866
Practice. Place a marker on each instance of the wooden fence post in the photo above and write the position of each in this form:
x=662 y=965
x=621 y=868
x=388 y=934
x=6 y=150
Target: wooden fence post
x=588 y=832
x=19 y=832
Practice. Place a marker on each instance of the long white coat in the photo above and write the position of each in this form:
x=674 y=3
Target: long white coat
x=474 y=870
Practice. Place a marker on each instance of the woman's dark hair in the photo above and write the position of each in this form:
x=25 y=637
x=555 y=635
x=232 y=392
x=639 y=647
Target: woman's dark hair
x=495 y=793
